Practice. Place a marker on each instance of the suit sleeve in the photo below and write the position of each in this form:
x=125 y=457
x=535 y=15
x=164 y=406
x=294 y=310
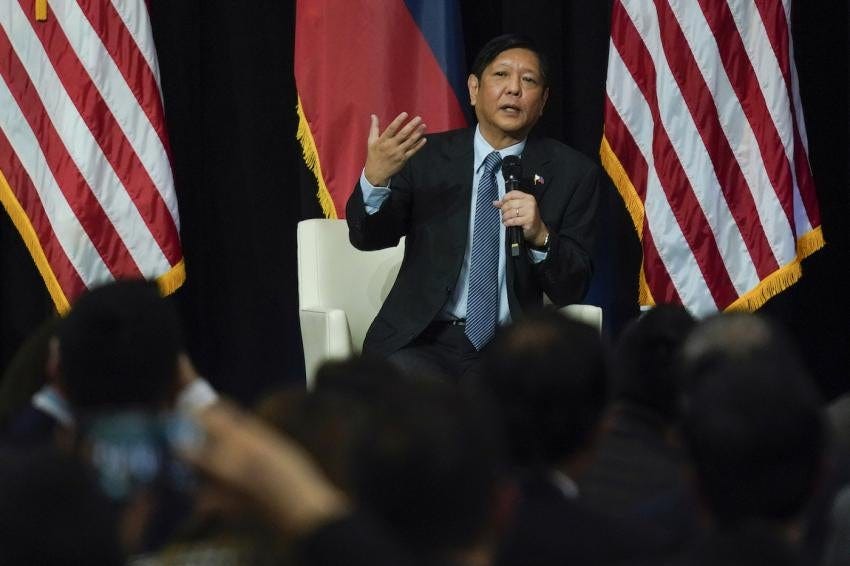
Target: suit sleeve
x=566 y=272
x=384 y=228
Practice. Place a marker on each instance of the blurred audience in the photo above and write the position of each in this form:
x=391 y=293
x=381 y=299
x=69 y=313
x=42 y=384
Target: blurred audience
x=754 y=429
x=114 y=372
x=330 y=420
x=363 y=378
x=429 y=466
x=689 y=444
x=26 y=372
x=548 y=375
x=52 y=512
x=119 y=348
x=638 y=457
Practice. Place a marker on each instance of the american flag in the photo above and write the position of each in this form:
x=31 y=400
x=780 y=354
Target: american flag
x=85 y=171
x=705 y=140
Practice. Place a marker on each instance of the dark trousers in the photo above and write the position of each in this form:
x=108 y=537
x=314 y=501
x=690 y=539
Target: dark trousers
x=442 y=351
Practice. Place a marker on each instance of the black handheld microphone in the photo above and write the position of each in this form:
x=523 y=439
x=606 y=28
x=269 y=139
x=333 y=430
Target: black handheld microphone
x=512 y=172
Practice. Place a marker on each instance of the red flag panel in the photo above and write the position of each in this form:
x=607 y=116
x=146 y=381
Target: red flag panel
x=354 y=58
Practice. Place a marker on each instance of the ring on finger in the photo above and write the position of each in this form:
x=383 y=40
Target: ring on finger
x=516 y=211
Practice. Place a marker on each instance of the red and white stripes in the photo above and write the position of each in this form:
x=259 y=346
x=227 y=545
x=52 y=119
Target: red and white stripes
x=85 y=171
x=704 y=139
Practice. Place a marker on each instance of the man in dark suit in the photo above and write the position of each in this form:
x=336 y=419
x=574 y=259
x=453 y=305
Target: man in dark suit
x=458 y=280
x=754 y=428
x=548 y=377
x=638 y=459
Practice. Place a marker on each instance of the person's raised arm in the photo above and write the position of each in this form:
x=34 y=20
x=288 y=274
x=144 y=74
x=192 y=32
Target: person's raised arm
x=272 y=471
x=281 y=479
x=388 y=151
x=377 y=216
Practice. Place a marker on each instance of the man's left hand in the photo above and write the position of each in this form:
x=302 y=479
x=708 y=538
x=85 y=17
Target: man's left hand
x=520 y=209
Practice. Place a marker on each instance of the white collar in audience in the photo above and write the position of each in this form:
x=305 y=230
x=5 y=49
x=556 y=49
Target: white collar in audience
x=564 y=483
x=49 y=400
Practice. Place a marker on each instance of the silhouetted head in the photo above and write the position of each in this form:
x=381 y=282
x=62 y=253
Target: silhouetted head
x=118 y=348
x=752 y=421
x=644 y=364
x=428 y=465
x=548 y=376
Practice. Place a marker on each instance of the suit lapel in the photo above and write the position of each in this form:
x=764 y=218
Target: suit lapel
x=535 y=168
x=459 y=154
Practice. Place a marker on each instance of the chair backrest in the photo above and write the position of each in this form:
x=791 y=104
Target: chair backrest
x=334 y=274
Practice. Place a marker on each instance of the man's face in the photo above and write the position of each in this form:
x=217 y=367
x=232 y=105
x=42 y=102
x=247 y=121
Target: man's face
x=509 y=97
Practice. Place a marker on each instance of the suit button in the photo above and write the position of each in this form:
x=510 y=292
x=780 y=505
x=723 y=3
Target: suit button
x=448 y=290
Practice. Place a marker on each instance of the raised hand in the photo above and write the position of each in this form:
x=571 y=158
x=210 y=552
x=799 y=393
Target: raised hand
x=389 y=151
x=269 y=469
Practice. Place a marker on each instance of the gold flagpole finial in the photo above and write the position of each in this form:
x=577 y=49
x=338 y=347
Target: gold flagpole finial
x=41 y=10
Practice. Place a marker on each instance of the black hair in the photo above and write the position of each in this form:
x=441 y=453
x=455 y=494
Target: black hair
x=497 y=45
x=326 y=423
x=25 y=374
x=752 y=422
x=119 y=347
x=643 y=366
x=361 y=377
x=548 y=376
x=52 y=513
x=428 y=465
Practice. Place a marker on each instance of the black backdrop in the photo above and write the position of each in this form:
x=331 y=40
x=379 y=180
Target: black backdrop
x=230 y=96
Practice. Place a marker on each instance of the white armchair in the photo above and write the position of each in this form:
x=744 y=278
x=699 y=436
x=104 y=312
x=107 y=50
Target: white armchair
x=341 y=289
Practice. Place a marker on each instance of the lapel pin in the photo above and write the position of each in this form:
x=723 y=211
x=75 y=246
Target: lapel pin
x=538 y=180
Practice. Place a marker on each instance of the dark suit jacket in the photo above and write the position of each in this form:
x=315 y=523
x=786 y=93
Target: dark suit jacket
x=747 y=545
x=550 y=529
x=29 y=427
x=356 y=540
x=430 y=204
x=634 y=462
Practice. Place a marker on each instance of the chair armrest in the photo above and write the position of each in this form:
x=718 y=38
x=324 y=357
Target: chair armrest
x=588 y=314
x=325 y=335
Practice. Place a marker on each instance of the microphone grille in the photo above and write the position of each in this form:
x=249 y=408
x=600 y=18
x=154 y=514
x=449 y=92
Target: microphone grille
x=512 y=167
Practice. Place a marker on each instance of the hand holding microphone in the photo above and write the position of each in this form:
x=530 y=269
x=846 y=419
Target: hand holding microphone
x=512 y=172
x=520 y=214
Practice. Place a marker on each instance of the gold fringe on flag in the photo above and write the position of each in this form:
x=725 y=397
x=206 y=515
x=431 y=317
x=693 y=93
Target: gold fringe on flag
x=618 y=174
x=634 y=205
x=311 y=158
x=167 y=283
x=810 y=242
x=644 y=294
x=769 y=287
x=41 y=10
x=171 y=280
x=780 y=280
x=25 y=228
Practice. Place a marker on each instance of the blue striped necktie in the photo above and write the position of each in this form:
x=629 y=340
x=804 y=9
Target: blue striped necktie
x=482 y=305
